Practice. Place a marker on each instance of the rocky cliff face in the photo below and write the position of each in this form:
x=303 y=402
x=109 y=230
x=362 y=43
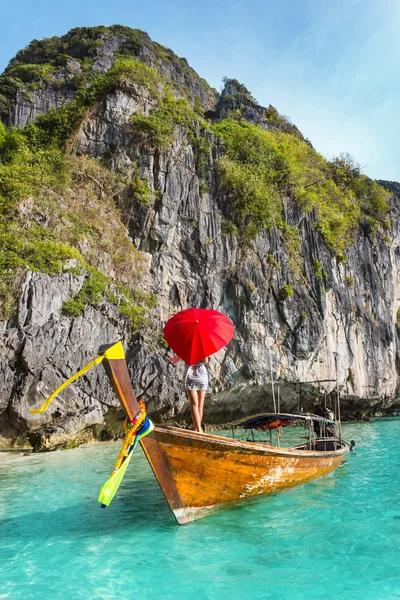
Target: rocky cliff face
x=48 y=73
x=339 y=325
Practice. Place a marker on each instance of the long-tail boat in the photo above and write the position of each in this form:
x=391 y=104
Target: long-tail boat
x=200 y=473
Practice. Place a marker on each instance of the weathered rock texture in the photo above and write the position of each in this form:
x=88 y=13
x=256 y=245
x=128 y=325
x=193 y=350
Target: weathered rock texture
x=100 y=50
x=340 y=326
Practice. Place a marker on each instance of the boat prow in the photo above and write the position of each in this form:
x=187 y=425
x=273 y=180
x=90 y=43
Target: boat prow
x=202 y=473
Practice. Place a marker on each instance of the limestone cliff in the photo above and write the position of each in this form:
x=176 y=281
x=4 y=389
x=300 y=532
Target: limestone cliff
x=324 y=319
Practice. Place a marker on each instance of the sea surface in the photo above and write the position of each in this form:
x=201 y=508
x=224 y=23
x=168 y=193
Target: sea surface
x=335 y=538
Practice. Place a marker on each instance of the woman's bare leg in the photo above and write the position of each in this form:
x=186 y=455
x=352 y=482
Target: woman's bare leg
x=194 y=407
x=201 y=396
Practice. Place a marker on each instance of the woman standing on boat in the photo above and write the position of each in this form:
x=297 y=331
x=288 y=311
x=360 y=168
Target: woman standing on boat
x=196 y=385
x=194 y=334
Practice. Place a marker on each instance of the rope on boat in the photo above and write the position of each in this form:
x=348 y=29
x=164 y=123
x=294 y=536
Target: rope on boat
x=270 y=365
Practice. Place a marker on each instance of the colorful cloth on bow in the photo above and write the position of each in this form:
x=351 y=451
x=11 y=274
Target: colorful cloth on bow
x=111 y=486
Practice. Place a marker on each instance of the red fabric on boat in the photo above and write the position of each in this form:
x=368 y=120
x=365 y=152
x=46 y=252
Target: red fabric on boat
x=195 y=333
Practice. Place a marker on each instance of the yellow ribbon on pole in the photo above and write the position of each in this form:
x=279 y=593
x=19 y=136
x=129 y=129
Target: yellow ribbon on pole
x=136 y=428
x=50 y=399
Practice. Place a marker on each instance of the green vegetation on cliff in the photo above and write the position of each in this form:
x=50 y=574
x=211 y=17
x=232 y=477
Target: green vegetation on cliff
x=260 y=167
x=56 y=126
x=55 y=206
x=158 y=129
x=237 y=98
x=70 y=62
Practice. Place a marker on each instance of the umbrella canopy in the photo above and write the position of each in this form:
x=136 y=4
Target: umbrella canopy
x=195 y=333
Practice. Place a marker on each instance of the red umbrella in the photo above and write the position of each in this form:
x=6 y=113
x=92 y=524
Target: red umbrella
x=196 y=333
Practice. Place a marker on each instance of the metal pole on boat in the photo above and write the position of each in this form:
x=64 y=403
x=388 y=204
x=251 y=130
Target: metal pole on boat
x=272 y=377
x=270 y=362
x=338 y=407
x=339 y=424
x=278 y=436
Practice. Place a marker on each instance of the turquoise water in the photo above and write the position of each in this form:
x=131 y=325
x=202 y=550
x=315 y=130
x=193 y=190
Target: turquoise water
x=335 y=538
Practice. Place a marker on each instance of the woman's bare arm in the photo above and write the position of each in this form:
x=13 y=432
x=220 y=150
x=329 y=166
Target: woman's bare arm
x=174 y=360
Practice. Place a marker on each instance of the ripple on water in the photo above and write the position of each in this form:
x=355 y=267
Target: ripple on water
x=337 y=537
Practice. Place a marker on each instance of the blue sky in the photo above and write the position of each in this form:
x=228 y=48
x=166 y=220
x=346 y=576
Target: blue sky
x=331 y=66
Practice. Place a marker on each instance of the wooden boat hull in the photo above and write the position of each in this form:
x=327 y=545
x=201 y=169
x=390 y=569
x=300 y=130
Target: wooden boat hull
x=201 y=473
